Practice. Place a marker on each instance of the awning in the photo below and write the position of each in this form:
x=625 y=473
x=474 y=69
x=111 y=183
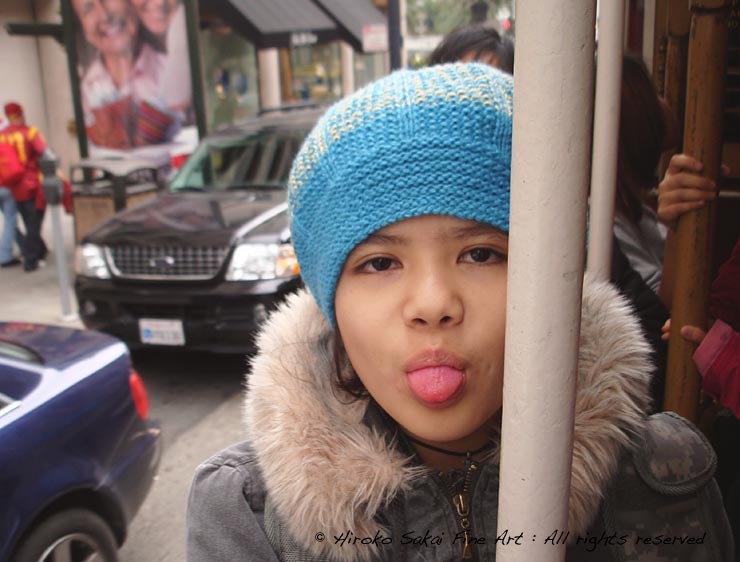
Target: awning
x=360 y=23
x=277 y=23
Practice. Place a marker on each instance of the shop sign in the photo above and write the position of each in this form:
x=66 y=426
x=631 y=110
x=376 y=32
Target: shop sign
x=301 y=39
x=374 y=37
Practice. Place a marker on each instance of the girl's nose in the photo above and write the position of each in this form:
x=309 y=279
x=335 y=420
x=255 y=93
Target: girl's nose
x=433 y=301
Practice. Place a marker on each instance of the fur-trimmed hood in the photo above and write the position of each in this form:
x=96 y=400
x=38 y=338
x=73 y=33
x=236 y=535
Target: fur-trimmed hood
x=324 y=468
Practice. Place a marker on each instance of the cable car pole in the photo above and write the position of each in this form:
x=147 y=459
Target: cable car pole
x=702 y=140
x=606 y=138
x=679 y=21
x=553 y=99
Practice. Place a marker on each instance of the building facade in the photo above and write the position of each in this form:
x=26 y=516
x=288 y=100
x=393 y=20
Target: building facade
x=244 y=58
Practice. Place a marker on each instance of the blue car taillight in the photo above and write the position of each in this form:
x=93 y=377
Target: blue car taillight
x=139 y=394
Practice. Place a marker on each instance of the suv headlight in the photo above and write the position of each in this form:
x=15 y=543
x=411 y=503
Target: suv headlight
x=262 y=261
x=90 y=262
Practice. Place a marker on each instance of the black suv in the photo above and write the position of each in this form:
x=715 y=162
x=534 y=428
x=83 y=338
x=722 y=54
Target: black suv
x=201 y=264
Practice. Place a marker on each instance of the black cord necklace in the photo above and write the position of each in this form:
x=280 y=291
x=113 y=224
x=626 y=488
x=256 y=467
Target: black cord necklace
x=468 y=454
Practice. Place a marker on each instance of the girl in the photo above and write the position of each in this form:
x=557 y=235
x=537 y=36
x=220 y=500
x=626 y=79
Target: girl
x=373 y=405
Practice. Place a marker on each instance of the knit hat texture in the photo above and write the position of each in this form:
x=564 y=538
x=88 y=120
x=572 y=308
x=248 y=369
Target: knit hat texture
x=416 y=142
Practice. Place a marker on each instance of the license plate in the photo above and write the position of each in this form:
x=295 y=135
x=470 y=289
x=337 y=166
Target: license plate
x=161 y=332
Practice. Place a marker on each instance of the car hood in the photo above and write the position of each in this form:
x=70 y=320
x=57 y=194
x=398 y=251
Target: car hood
x=196 y=219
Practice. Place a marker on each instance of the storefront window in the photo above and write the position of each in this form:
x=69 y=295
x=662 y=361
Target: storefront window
x=316 y=72
x=231 y=82
x=369 y=67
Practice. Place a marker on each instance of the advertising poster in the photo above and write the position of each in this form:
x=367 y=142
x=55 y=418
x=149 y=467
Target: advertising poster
x=135 y=78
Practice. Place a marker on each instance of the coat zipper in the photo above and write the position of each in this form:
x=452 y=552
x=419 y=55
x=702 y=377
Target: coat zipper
x=461 y=506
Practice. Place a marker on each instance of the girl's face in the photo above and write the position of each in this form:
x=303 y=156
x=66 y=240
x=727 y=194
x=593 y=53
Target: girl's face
x=155 y=15
x=421 y=306
x=108 y=25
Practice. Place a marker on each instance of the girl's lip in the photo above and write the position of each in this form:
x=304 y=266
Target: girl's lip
x=434 y=358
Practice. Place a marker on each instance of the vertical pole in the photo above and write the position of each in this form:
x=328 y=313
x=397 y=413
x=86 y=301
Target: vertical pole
x=192 y=20
x=606 y=138
x=286 y=76
x=347 y=55
x=660 y=41
x=268 y=62
x=52 y=187
x=553 y=99
x=648 y=34
x=394 y=33
x=679 y=21
x=702 y=140
x=60 y=254
x=404 y=32
x=70 y=43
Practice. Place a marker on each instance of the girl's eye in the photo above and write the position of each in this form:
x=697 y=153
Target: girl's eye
x=377 y=264
x=482 y=255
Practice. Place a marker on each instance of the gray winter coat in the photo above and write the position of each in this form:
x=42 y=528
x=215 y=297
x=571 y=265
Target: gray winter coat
x=321 y=479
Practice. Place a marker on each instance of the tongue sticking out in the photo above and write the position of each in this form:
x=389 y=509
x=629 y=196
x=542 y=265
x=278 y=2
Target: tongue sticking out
x=435 y=384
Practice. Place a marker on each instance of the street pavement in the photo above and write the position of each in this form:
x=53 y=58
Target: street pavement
x=35 y=296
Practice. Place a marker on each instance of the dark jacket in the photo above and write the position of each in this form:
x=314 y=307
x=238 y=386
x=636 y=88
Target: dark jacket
x=321 y=477
x=652 y=314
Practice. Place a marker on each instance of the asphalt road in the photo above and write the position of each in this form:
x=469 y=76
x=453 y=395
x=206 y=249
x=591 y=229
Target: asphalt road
x=197 y=400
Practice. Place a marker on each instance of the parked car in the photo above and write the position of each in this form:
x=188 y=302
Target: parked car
x=202 y=264
x=78 y=453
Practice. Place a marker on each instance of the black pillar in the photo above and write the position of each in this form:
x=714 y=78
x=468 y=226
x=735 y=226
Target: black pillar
x=394 y=33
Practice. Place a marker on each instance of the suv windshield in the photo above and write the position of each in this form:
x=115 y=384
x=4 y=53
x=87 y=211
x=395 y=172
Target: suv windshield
x=245 y=162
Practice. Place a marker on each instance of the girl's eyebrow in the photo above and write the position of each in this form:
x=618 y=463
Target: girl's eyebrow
x=383 y=239
x=478 y=230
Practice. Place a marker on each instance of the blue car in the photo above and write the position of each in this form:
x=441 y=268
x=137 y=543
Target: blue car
x=77 y=452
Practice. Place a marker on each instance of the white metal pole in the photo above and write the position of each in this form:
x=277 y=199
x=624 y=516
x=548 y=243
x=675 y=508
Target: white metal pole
x=347 y=56
x=606 y=137
x=553 y=100
x=268 y=61
x=68 y=315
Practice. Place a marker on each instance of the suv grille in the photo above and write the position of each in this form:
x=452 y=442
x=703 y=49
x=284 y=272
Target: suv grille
x=165 y=262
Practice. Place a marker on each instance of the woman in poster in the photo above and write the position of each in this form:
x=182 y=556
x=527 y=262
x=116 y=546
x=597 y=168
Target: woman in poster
x=122 y=87
x=164 y=21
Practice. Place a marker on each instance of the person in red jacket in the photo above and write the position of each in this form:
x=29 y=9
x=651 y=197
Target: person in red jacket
x=29 y=145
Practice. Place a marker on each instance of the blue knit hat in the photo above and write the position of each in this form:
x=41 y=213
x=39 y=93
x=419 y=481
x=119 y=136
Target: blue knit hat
x=430 y=141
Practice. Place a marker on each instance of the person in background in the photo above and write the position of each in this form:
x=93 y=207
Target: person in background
x=29 y=145
x=645 y=131
x=10 y=213
x=10 y=219
x=475 y=42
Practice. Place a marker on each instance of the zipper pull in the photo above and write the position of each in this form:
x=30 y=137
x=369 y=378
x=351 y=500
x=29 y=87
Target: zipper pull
x=467 y=551
x=462 y=511
x=460 y=505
